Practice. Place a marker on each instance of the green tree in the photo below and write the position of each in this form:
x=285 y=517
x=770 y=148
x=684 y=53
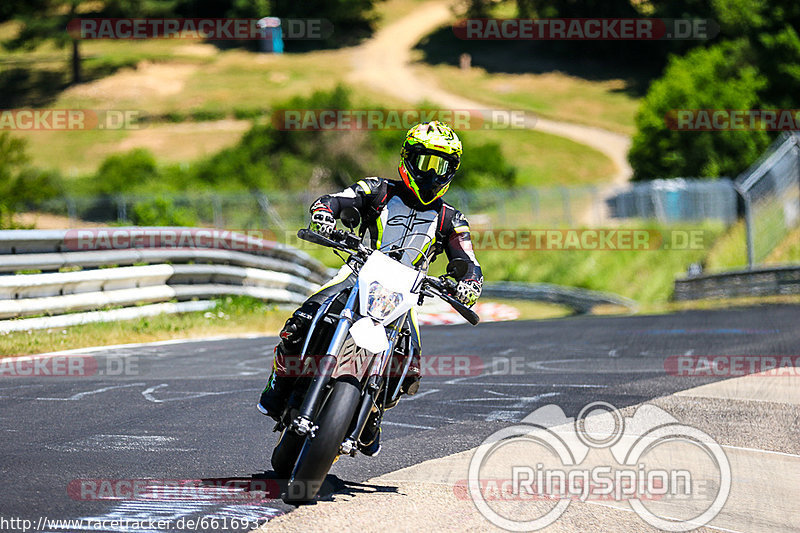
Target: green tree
x=720 y=77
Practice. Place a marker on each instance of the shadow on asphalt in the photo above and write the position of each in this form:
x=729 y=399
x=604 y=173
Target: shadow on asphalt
x=267 y=486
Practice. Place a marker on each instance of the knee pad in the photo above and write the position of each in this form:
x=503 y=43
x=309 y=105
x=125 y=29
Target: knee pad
x=296 y=327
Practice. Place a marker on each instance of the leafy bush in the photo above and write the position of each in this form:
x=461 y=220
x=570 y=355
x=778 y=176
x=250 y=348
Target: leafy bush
x=266 y=158
x=126 y=172
x=161 y=212
x=21 y=183
x=201 y=115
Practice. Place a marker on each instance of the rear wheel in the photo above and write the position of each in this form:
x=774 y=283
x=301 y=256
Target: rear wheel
x=319 y=453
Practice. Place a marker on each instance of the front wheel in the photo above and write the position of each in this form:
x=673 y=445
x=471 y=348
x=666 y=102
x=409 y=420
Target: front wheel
x=285 y=454
x=319 y=452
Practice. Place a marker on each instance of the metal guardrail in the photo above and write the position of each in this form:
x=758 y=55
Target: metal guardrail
x=770 y=190
x=758 y=282
x=580 y=300
x=75 y=282
x=75 y=273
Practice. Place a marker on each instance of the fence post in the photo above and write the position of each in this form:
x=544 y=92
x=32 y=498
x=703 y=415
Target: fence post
x=748 y=224
x=72 y=212
x=122 y=208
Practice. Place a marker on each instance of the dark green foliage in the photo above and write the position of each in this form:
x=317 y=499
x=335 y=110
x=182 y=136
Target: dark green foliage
x=758 y=67
x=714 y=78
x=19 y=182
x=131 y=171
x=161 y=212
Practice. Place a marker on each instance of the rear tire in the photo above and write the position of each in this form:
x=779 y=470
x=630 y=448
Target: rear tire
x=318 y=453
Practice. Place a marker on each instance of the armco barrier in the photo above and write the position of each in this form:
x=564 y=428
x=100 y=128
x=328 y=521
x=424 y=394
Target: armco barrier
x=579 y=300
x=74 y=286
x=758 y=282
x=50 y=272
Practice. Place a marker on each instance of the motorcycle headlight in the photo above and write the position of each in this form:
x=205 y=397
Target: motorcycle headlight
x=381 y=302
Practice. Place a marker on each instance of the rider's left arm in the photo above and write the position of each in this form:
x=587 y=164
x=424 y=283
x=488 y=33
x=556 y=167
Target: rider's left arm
x=459 y=245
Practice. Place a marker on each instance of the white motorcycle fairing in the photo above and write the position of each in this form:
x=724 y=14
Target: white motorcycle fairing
x=393 y=279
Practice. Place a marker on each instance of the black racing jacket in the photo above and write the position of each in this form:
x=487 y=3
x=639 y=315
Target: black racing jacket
x=392 y=216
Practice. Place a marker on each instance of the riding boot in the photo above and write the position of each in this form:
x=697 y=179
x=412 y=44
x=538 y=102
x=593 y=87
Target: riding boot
x=370 y=442
x=279 y=387
x=280 y=383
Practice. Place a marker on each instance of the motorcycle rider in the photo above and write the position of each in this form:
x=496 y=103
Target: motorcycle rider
x=391 y=211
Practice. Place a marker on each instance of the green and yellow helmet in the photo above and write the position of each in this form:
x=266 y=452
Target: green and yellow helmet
x=431 y=155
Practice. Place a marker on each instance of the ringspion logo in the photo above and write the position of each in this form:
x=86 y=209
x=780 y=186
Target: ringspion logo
x=648 y=457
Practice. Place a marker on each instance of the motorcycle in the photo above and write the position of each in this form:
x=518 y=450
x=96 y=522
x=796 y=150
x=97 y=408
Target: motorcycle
x=367 y=354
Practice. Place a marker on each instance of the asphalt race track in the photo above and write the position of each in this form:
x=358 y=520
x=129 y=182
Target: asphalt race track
x=186 y=411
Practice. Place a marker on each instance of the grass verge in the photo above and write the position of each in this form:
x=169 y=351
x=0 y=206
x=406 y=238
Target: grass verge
x=646 y=276
x=232 y=316
x=513 y=75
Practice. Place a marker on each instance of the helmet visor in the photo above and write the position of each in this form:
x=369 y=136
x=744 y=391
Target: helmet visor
x=437 y=164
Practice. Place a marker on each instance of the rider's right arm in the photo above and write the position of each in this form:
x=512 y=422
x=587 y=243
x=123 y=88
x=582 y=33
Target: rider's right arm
x=361 y=195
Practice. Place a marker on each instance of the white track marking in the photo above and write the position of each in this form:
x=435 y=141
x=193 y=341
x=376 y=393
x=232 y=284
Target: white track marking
x=567 y=385
x=510 y=398
x=186 y=395
x=148 y=393
x=145 y=443
x=402 y=425
x=81 y=395
x=420 y=395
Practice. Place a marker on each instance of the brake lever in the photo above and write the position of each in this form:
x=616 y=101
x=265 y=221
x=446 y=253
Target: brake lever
x=448 y=283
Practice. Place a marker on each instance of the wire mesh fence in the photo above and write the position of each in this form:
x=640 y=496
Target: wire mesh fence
x=667 y=201
x=770 y=189
x=677 y=200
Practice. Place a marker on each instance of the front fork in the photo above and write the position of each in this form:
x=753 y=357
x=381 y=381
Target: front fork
x=302 y=424
x=377 y=373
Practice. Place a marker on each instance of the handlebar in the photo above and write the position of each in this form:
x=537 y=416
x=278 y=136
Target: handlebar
x=340 y=240
x=442 y=288
x=348 y=242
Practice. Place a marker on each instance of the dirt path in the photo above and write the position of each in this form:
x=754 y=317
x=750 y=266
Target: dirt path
x=384 y=63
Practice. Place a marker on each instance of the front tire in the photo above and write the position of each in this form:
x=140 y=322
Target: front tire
x=319 y=452
x=285 y=454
